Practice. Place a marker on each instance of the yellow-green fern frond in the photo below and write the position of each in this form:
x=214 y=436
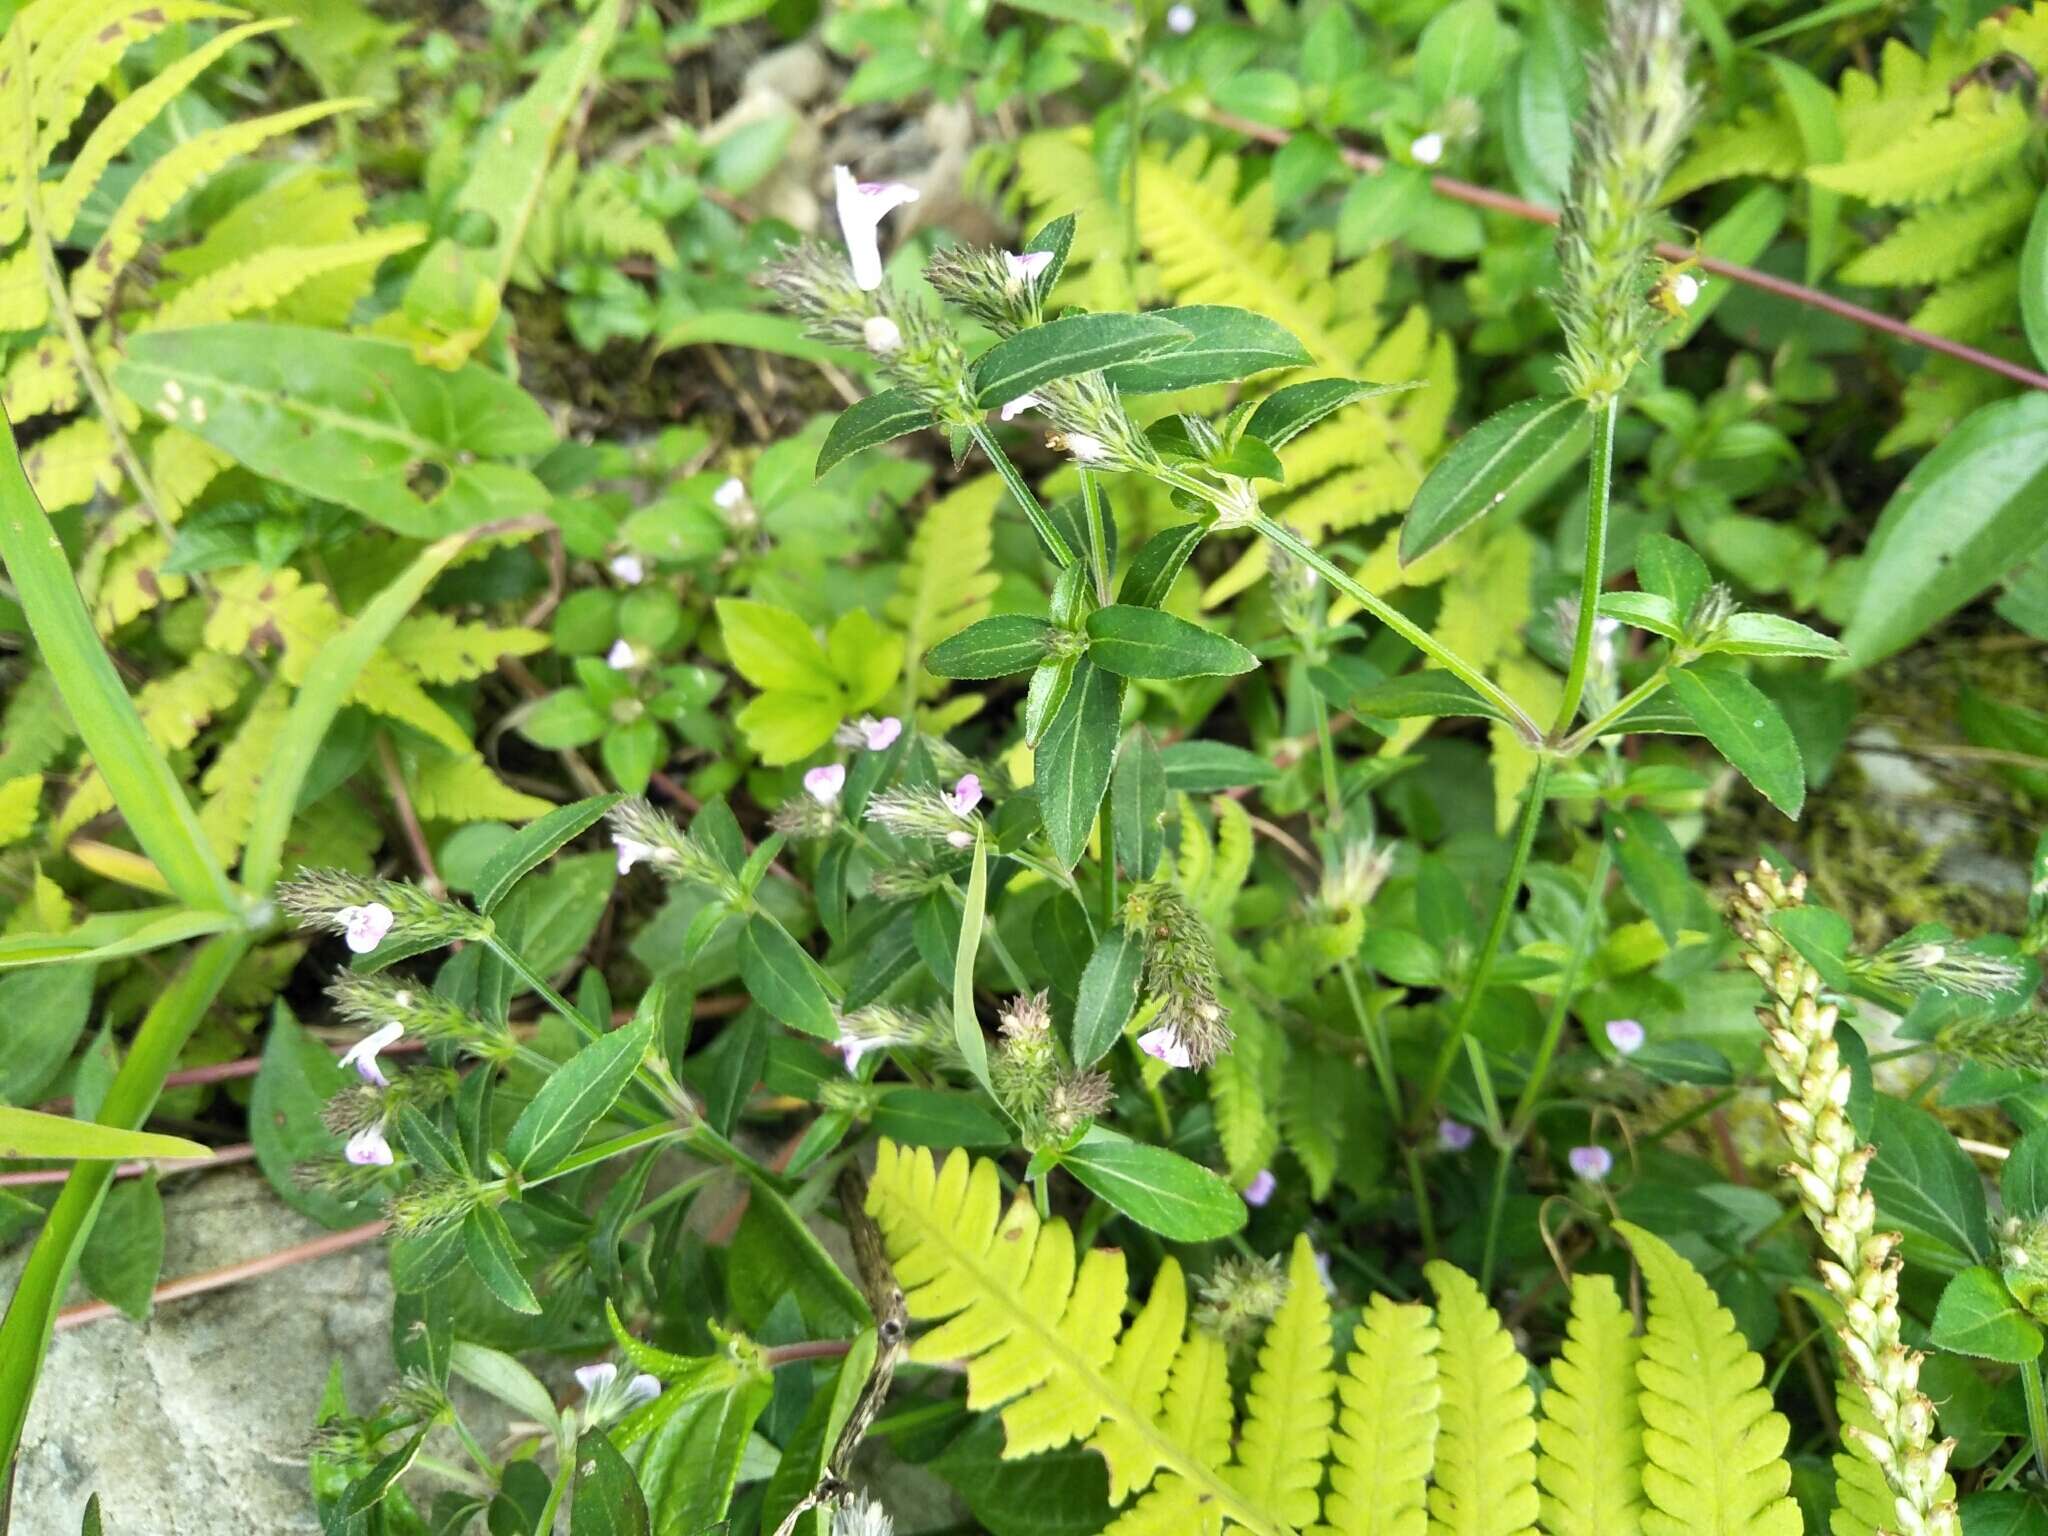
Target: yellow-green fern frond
x=1973 y=306
x=1311 y=1108
x=1591 y=1466
x=262 y=281
x=602 y=220
x=1143 y=1372
x=1288 y=1407
x=1938 y=243
x=1754 y=144
x=1386 y=1435
x=19 y=801
x=1863 y=1499
x=24 y=292
x=41 y=379
x=1486 y=1430
x=232 y=779
x=438 y=649
x=72 y=464
x=1037 y=1331
x=1983 y=135
x=77 y=43
x=946 y=582
x=461 y=787
x=1243 y=1084
x=1712 y=1443
x=182 y=466
x=1213 y=870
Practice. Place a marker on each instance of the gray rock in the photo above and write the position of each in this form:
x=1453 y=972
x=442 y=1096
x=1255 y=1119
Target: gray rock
x=196 y=1424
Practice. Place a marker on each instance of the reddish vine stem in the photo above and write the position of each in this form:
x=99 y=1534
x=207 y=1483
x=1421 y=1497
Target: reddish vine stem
x=1515 y=207
x=233 y=1274
x=222 y=1157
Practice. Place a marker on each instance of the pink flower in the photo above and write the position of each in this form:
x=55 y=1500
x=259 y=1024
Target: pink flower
x=368 y=1148
x=1025 y=268
x=862 y=207
x=1261 y=1188
x=825 y=782
x=1625 y=1035
x=363 y=1054
x=880 y=735
x=1019 y=406
x=1162 y=1044
x=365 y=927
x=966 y=794
x=1453 y=1135
x=1591 y=1163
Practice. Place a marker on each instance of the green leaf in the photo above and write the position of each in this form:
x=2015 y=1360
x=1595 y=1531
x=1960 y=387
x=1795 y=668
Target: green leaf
x=487 y=1242
x=1151 y=573
x=1203 y=767
x=772 y=647
x=2034 y=282
x=1644 y=610
x=991 y=647
x=1057 y=236
x=502 y=1377
x=966 y=1024
x=1921 y=1179
x=760 y=332
x=606 y=1495
x=1462 y=51
x=294 y=1081
x=1747 y=729
x=1073 y=763
x=1288 y=412
x=1427 y=694
x=575 y=1097
x=1227 y=344
x=1822 y=939
x=1138 y=792
x=524 y=851
x=126 y=1250
x=926 y=1117
x=367 y=1491
x=779 y=977
x=1672 y=571
x=45 y=1009
x=1072 y=344
x=1149 y=642
x=878 y=419
x=1977 y=1316
x=1054 y=1493
x=776 y=1257
x=29 y=1133
x=2023 y=1182
x=112 y=936
x=1159 y=1190
x=353 y=419
x=142 y=781
x=1107 y=995
x=1766 y=634
x=1505 y=461
x=1653 y=867
x=1966 y=515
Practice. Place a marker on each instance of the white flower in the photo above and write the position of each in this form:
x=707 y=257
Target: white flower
x=1685 y=288
x=631 y=851
x=883 y=336
x=629 y=569
x=1162 y=1044
x=1086 y=449
x=852 y=1051
x=365 y=927
x=862 y=207
x=825 y=782
x=368 y=1148
x=966 y=794
x=643 y=1388
x=1025 y=269
x=880 y=735
x=1180 y=20
x=363 y=1054
x=1625 y=1035
x=620 y=657
x=1322 y=1261
x=1428 y=149
x=593 y=1379
x=1020 y=405
x=960 y=839
x=731 y=495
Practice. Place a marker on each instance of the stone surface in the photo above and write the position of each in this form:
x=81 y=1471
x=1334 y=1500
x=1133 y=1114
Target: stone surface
x=196 y=1423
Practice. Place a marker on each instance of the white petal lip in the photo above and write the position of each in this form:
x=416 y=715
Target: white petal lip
x=862 y=207
x=643 y=1388
x=1181 y=19
x=631 y=851
x=880 y=735
x=1086 y=449
x=595 y=1378
x=729 y=494
x=825 y=782
x=363 y=1054
x=368 y=1148
x=883 y=335
x=364 y=927
x=1428 y=149
x=1025 y=268
x=629 y=569
x=620 y=658
x=1020 y=405
x=1161 y=1045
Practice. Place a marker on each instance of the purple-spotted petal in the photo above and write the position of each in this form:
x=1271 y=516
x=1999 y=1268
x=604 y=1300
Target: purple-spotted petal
x=824 y=782
x=364 y=927
x=1453 y=1135
x=862 y=207
x=880 y=735
x=966 y=793
x=363 y=1054
x=368 y=1148
x=1025 y=268
x=1593 y=1163
x=1162 y=1044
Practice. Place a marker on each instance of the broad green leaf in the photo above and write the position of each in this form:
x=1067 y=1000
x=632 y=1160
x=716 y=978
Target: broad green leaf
x=505 y=1379
x=112 y=936
x=1428 y=694
x=1462 y=51
x=1203 y=767
x=1288 y=412
x=1747 y=729
x=353 y=419
x=2034 y=282
x=1966 y=515
x=1768 y=634
x=1227 y=344
x=1653 y=867
x=1505 y=461
x=1977 y=1316
x=44 y=1010
x=1151 y=573
x=1924 y=1181
x=1057 y=236
x=877 y=419
x=1072 y=765
x=1149 y=642
x=1108 y=993
x=772 y=647
x=487 y=1242
x=125 y=1253
x=775 y=1258
x=808 y=1452
x=294 y=1082
x=1822 y=938
x=967 y=1035
x=927 y=1117
x=606 y=1497
x=779 y=977
x=524 y=851
x=1072 y=344
x=690 y=1459
x=992 y=647
x=1138 y=793
x=575 y=1096
x=29 y=1133
x=2023 y=1182
x=143 y=783
x=1159 y=1190
x=1644 y=610
x=1672 y=571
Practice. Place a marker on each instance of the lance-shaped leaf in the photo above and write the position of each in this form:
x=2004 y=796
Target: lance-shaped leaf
x=1069 y=345
x=1287 y=413
x=878 y=419
x=1427 y=694
x=1149 y=642
x=575 y=1097
x=994 y=647
x=1225 y=344
x=1074 y=761
x=1505 y=461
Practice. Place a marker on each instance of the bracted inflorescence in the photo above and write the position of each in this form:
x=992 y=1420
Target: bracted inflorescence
x=1828 y=1164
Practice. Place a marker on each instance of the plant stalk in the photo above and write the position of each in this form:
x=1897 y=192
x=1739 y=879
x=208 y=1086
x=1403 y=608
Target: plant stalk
x=1599 y=490
x=1054 y=542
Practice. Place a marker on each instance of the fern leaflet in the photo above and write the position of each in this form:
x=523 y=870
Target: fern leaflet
x=1386 y=1440
x=1485 y=1467
x=1592 y=1431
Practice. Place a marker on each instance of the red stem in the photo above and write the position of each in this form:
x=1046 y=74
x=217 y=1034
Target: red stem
x=233 y=1274
x=1799 y=293
x=222 y=1157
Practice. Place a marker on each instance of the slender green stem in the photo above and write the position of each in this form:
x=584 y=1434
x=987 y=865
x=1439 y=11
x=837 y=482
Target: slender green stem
x=1098 y=534
x=1055 y=544
x=1560 y=1004
x=1496 y=931
x=539 y=983
x=1287 y=539
x=559 y=1491
x=1496 y=1208
x=604 y=1151
x=2037 y=1414
x=1599 y=489
x=1601 y=724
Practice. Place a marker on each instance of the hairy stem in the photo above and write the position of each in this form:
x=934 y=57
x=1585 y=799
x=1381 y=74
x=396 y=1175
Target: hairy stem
x=1055 y=544
x=1598 y=491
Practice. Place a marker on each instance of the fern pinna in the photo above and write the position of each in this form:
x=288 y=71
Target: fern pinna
x=1432 y=1428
